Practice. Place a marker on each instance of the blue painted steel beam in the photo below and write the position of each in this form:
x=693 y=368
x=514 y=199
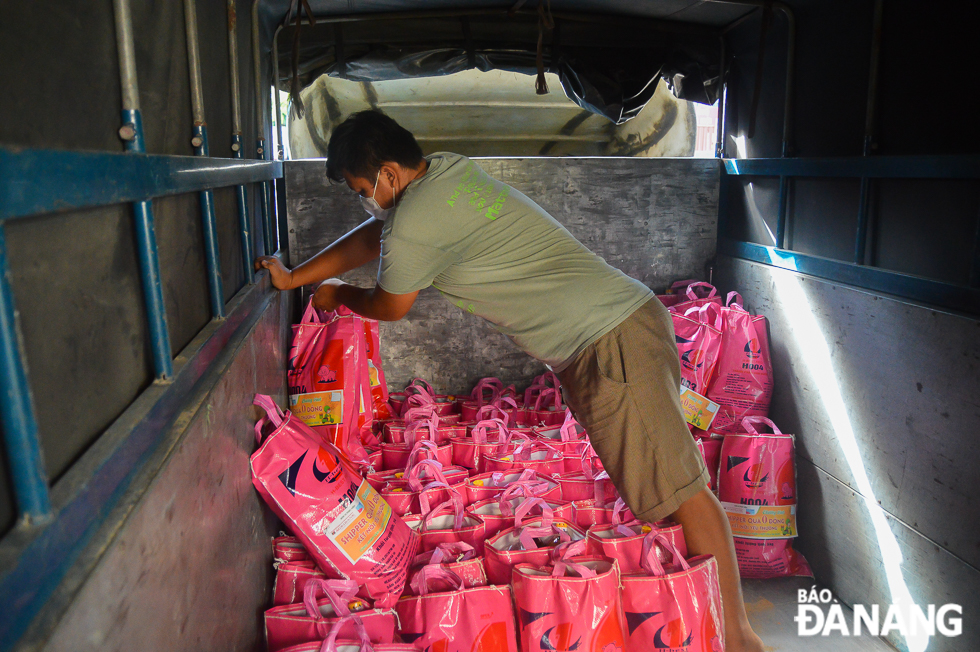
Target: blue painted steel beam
x=149 y=259
x=212 y=257
x=20 y=433
x=947 y=295
x=36 y=181
x=883 y=167
x=244 y=223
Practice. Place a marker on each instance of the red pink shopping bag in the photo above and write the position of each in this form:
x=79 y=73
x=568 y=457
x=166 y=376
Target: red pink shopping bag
x=569 y=438
x=573 y=605
x=624 y=541
x=458 y=557
x=757 y=489
x=324 y=380
x=533 y=541
x=742 y=384
x=698 y=334
x=498 y=513
x=543 y=458
x=449 y=523
x=312 y=619
x=674 y=606
x=343 y=523
x=340 y=639
x=487 y=437
x=469 y=620
x=292 y=578
x=489 y=485
x=696 y=295
x=286 y=549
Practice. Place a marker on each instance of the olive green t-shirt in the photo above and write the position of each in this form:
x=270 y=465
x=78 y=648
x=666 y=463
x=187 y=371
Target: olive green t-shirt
x=495 y=253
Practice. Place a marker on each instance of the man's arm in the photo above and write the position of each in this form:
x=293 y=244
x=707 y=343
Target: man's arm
x=356 y=248
x=373 y=303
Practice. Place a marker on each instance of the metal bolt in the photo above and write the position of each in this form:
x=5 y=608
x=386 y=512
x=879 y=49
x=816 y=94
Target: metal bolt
x=259 y=150
x=127 y=132
x=197 y=141
x=235 y=147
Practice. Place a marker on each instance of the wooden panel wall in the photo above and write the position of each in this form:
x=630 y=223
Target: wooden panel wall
x=655 y=219
x=910 y=380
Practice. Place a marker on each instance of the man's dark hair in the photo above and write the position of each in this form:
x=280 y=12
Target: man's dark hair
x=365 y=140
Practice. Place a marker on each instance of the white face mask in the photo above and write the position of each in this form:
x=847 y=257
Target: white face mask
x=372 y=206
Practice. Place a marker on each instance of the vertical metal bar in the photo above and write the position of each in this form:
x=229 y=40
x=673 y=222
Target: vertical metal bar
x=20 y=433
x=200 y=142
x=260 y=109
x=280 y=153
x=720 y=119
x=790 y=66
x=781 y=215
x=869 y=145
x=244 y=223
x=146 y=242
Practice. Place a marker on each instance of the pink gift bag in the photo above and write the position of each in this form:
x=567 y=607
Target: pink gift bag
x=675 y=293
x=472 y=620
x=448 y=523
x=458 y=557
x=573 y=605
x=580 y=484
x=291 y=578
x=324 y=377
x=569 y=438
x=548 y=409
x=426 y=477
x=698 y=336
x=742 y=385
x=349 y=634
x=624 y=541
x=498 y=513
x=343 y=523
x=599 y=509
x=697 y=295
x=757 y=488
x=539 y=456
x=532 y=541
x=286 y=549
x=487 y=437
x=311 y=620
x=676 y=606
x=489 y=485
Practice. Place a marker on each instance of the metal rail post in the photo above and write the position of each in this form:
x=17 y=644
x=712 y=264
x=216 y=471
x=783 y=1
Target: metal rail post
x=17 y=414
x=870 y=124
x=200 y=142
x=244 y=223
x=269 y=237
x=146 y=241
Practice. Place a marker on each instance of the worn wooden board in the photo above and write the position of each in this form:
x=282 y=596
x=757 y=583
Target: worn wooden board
x=656 y=219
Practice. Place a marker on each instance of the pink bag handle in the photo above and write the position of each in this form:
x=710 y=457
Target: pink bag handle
x=417 y=400
x=311 y=315
x=508 y=392
x=531 y=393
x=431 y=572
x=425 y=503
x=547 y=514
x=734 y=300
x=273 y=411
x=562 y=556
x=451 y=552
x=493 y=384
x=330 y=642
x=523 y=452
x=624 y=529
x=693 y=295
x=338 y=592
x=618 y=508
x=648 y=559
x=415 y=474
x=259 y=425
x=420 y=384
x=709 y=313
x=750 y=423
x=425 y=447
x=548 y=379
x=455 y=503
x=588 y=467
x=527 y=488
x=412 y=429
x=568 y=430
x=487 y=412
x=479 y=432
x=421 y=413
x=600 y=492
x=545 y=395
x=527 y=535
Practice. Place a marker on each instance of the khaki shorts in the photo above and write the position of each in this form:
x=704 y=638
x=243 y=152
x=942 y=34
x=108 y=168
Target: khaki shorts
x=625 y=390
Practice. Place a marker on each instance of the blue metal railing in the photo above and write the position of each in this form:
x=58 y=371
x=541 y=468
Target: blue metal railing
x=964 y=298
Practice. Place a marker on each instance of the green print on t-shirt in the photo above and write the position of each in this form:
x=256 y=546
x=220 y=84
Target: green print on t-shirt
x=480 y=191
